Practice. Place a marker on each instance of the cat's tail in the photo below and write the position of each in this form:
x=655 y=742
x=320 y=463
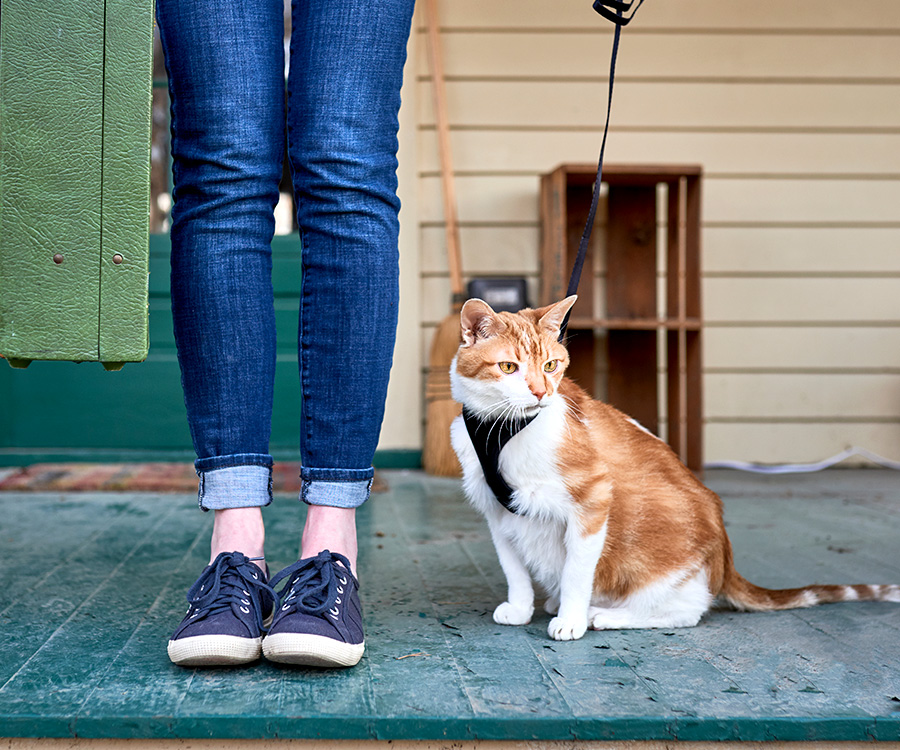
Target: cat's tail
x=742 y=594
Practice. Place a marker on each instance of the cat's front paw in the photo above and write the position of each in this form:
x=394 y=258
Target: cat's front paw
x=513 y=614
x=566 y=630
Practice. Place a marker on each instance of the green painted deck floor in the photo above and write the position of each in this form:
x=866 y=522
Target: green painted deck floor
x=94 y=584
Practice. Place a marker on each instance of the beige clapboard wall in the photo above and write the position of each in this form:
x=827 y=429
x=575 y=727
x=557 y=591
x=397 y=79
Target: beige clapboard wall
x=792 y=109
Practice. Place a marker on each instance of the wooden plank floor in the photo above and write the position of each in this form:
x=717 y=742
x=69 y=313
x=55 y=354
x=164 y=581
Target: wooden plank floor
x=94 y=584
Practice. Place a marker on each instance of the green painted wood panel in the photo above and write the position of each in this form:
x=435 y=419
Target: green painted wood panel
x=80 y=410
x=75 y=81
x=51 y=121
x=64 y=411
x=124 y=265
x=436 y=665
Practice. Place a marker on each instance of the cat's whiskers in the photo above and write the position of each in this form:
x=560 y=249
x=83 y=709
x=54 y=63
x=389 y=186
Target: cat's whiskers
x=568 y=428
x=495 y=416
x=495 y=410
x=492 y=410
x=575 y=409
x=506 y=414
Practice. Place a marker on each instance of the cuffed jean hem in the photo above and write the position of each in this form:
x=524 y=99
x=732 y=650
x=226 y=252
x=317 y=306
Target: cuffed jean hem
x=337 y=488
x=245 y=486
x=232 y=460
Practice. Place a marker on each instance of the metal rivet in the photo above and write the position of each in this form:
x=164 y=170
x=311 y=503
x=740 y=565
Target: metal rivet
x=57 y=258
x=117 y=259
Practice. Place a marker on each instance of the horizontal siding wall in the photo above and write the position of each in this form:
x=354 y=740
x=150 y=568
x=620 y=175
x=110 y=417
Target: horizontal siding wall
x=794 y=113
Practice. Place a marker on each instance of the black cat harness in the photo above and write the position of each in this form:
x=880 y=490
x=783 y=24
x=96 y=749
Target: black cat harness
x=490 y=436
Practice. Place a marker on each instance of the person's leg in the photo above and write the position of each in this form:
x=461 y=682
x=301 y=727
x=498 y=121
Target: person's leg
x=226 y=79
x=332 y=529
x=239 y=529
x=346 y=69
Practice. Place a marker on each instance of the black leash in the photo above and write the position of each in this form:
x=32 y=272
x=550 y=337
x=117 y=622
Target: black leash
x=619 y=20
x=489 y=437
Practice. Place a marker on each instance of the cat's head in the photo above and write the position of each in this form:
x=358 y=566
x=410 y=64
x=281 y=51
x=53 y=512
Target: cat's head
x=509 y=364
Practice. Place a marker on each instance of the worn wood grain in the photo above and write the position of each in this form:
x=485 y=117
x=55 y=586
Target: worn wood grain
x=95 y=584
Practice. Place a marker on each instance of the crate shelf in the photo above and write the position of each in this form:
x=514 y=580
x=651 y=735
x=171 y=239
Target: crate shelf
x=631 y=317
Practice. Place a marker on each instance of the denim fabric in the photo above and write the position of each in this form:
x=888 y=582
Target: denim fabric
x=229 y=118
x=337 y=488
x=242 y=486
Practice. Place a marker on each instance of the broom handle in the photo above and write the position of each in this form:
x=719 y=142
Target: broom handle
x=447 y=181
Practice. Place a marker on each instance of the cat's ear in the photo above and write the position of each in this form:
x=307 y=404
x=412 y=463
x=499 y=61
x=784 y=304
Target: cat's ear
x=551 y=317
x=478 y=321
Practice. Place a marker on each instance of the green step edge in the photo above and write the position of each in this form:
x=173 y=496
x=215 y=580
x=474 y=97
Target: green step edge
x=450 y=728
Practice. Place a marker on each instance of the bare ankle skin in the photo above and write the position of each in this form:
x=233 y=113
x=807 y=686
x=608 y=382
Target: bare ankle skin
x=239 y=530
x=330 y=528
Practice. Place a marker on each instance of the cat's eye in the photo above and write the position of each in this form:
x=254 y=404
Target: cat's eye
x=507 y=367
x=551 y=365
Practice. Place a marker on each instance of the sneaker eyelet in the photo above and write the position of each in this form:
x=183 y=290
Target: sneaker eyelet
x=246 y=593
x=334 y=611
x=245 y=610
x=244 y=601
x=337 y=600
x=255 y=577
x=342 y=580
x=285 y=607
x=340 y=589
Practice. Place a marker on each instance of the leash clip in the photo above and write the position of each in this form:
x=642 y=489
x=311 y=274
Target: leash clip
x=606 y=7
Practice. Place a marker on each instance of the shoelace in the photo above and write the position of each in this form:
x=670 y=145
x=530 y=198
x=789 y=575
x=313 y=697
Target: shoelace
x=229 y=580
x=315 y=586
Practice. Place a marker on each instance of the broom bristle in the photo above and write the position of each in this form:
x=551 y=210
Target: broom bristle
x=438 y=456
x=446 y=341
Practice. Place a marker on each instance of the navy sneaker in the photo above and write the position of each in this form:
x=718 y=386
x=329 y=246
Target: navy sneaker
x=226 y=620
x=318 y=620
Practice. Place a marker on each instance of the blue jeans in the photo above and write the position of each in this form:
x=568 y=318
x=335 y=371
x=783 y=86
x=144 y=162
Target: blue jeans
x=230 y=117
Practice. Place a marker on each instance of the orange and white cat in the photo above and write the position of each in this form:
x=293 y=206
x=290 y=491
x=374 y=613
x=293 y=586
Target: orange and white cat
x=615 y=529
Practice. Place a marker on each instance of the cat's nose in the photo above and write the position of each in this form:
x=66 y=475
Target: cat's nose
x=538 y=394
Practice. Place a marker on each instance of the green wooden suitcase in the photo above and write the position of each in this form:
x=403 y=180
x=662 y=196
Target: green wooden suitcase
x=75 y=88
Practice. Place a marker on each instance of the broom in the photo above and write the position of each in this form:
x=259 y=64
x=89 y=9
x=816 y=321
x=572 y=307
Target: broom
x=438 y=457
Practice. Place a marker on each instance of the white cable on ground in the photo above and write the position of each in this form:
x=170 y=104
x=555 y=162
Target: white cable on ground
x=806 y=468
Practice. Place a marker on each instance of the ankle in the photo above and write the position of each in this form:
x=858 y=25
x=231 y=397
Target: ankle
x=330 y=528
x=239 y=530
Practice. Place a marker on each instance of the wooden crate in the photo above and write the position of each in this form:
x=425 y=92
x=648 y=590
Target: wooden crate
x=631 y=318
x=75 y=86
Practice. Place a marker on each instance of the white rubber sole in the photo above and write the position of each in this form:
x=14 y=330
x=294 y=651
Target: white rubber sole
x=214 y=650
x=311 y=650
